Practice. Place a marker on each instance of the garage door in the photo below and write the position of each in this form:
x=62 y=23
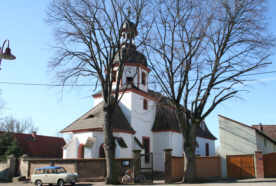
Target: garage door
x=240 y=166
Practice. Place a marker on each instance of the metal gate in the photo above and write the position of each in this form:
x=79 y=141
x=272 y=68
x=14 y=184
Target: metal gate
x=240 y=166
x=146 y=165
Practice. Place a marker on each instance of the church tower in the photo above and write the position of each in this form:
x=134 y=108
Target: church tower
x=136 y=72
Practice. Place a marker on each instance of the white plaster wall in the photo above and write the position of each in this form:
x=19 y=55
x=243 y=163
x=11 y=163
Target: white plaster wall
x=126 y=104
x=124 y=152
x=96 y=146
x=235 y=139
x=82 y=136
x=142 y=120
x=161 y=141
x=265 y=145
x=71 y=151
x=201 y=149
x=176 y=143
x=97 y=100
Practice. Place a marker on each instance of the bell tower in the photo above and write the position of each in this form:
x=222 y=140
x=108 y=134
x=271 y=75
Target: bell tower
x=135 y=73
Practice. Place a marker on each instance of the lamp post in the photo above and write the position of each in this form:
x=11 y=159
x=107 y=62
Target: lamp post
x=7 y=54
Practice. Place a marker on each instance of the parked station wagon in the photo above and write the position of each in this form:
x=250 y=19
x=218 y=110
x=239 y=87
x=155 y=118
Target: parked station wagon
x=53 y=175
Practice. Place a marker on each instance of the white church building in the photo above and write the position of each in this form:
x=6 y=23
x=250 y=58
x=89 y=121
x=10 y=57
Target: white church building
x=140 y=121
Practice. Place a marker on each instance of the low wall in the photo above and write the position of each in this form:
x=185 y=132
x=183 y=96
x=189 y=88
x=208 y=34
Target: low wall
x=8 y=168
x=4 y=165
x=206 y=167
x=86 y=168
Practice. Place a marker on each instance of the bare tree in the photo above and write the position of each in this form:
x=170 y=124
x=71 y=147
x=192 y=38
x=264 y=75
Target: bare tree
x=201 y=55
x=89 y=37
x=10 y=124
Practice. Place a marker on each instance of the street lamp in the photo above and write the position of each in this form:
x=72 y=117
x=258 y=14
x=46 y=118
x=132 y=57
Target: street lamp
x=7 y=54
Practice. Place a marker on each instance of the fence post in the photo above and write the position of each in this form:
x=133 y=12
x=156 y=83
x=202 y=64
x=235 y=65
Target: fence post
x=259 y=164
x=11 y=162
x=136 y=162
x=168 y=165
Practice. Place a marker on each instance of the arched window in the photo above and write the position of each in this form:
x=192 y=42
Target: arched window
x=101 y=151
x=81 y=151
x=144 y=78
x=145 y=104
x=207 y=149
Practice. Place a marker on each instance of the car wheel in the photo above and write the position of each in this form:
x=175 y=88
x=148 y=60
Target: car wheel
x=60 y=183
x=38 y=183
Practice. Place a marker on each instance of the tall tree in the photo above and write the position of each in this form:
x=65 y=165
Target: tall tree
x=88 y=37
x=201 y=54
x=8 y=146
x=10 y=124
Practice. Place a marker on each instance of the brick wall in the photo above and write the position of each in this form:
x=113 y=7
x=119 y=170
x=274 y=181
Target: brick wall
x=86 y=168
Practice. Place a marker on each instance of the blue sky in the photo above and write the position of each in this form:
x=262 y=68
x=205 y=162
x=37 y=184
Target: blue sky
x=51 y=109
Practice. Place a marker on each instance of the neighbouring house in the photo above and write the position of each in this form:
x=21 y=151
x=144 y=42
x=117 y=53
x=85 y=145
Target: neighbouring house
x=237 y=138
x=269 y=130
x=141 y=121
x=39 y=146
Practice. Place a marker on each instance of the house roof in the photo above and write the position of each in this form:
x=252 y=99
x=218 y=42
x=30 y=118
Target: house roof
x=269 y=130
x=93 y=120
x=40 y=146
x=165 y=120
x=251 y=127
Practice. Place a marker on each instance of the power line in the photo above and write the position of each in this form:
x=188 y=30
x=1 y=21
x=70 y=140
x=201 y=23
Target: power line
x=90 y=85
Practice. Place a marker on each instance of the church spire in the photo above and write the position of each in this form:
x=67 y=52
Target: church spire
x=128 y=30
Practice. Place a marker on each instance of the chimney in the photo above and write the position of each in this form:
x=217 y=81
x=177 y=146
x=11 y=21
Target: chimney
x=261 y=126
x=34 y=135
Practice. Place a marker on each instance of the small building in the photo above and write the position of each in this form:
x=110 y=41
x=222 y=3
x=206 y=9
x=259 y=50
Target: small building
x=39 y=146
x=237 y=138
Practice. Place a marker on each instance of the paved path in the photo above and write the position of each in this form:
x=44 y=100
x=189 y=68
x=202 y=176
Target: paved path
x=248 y=182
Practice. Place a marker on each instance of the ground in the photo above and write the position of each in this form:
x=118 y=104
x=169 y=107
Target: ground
x=245 y=182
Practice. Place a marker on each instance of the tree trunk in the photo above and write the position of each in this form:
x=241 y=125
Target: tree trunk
x=189 y=155
x=112 y=173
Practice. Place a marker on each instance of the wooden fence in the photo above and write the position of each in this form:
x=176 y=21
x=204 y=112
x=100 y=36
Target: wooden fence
x=269 y=161
x=206 y=167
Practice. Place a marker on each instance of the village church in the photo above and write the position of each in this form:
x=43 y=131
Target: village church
x=140 y=121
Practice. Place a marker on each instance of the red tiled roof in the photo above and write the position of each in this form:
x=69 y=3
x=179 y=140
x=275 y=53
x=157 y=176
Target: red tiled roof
x=269 y=130
x=40 y=146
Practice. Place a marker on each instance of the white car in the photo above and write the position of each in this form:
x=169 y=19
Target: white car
x=53 y=175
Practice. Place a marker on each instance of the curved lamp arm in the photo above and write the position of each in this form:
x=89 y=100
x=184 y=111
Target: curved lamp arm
x=7 y=54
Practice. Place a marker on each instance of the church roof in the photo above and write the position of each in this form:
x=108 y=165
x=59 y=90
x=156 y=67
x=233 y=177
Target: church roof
x=165 y=120
x=94 y=120
x=130 y=55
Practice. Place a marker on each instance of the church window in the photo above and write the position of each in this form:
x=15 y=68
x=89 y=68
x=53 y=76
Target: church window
x=114 y=76
x=129 y=80
x=101 y=151
x=143 y=78
x=81 y=151
x=207 y=149
x=146 y=143
x=145 y=104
